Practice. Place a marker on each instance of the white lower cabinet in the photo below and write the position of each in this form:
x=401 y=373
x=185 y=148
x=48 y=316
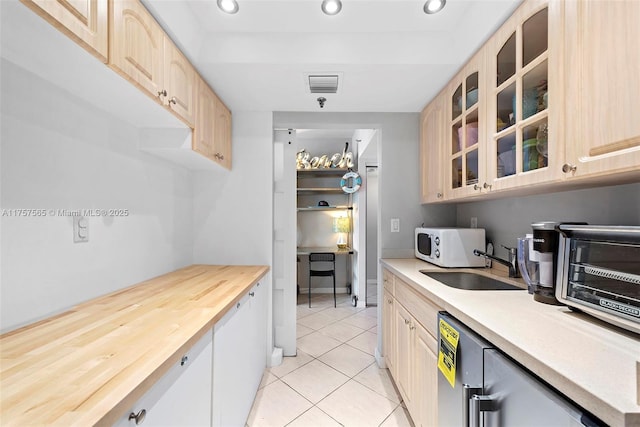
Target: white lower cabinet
x=403 y=353
x=425 y=378
x=216 y=381
x=414 y=349
x=239 y=358
x=182 y=397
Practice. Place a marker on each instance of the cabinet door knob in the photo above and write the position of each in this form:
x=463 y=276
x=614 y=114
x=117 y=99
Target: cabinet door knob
x=238 y=305
x=439 y=195
x=569 y=168
x=407 y=321
x=139 y=417
x=219 y=156
x=173 y=100
x=184 y=360
x=253 y=294
x=389 y=301
x=162 y=92
x=486 y=186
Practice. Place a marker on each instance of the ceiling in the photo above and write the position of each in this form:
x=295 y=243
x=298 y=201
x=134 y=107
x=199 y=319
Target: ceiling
x=391 y=56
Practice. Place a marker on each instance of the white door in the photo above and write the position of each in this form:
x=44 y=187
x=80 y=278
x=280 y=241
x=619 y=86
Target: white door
x=284 y=240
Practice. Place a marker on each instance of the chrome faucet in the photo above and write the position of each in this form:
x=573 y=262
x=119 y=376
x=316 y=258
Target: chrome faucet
x=512 y=263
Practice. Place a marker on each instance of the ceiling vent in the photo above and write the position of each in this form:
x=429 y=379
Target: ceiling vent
x=327 y=83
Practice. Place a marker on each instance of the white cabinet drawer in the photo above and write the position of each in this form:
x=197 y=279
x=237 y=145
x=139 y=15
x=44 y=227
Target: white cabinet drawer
x=182 y=397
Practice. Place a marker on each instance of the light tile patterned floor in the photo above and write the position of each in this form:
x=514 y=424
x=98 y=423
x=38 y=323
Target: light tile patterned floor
x=334 y=380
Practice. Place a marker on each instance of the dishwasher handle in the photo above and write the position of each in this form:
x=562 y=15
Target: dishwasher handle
x=479 y=404
x=468 y=391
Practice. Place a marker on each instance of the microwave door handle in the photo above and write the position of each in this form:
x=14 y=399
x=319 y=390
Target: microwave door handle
x=467 y=392
x=479 y=404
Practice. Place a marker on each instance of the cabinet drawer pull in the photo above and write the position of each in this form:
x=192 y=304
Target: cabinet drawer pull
x=139 y=417
x=407 y=321
x=173 y=100
x=569 y=168
x=238 y=305
x=184 y=360
x=253 y=294
x=162 y=92
x=219 y=156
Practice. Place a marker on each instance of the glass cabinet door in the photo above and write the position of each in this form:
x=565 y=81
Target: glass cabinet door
x=520 y=140
x=464 y=130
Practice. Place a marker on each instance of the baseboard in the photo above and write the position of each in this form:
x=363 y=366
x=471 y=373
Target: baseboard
x=276 y=356
x=380 y=359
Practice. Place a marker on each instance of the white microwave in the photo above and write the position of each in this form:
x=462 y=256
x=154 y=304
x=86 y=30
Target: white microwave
x=450 y=247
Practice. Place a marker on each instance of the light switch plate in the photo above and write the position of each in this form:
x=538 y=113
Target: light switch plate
x=395 y=225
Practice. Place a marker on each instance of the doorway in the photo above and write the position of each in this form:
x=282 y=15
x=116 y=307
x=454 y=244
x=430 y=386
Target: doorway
x=296 y=218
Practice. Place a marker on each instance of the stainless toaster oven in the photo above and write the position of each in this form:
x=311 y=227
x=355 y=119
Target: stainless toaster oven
x=599 y=272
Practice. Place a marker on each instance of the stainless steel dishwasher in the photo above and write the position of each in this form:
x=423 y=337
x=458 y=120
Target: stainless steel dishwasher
x=489 y=389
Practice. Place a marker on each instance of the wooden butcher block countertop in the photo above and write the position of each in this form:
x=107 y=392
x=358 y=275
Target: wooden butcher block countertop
x=90 y=364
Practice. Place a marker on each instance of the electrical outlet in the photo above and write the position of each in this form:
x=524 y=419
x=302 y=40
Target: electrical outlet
x=395 y=225
x=80 y=229
x=474 y=222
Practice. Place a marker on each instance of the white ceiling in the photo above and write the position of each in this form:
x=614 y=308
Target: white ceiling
x=393 y=57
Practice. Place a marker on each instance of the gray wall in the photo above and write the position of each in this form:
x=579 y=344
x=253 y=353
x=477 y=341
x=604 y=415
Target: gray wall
x=59 y=152
x=507 y=219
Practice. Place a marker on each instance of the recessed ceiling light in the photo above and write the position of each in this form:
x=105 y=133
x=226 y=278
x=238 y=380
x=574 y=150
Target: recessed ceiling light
x=331 y=7
x=434 y=6
x=228 y=6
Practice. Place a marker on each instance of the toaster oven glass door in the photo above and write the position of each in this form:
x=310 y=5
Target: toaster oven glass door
x=606 y=276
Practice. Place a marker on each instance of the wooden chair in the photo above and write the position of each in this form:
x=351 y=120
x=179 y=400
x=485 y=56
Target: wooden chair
x=325 y=266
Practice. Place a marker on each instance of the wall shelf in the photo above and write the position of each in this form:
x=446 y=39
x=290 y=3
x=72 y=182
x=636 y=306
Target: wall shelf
x=322 y=172
x=325 y=208
x=335 y=190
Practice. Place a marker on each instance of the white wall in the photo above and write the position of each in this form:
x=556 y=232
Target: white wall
x=233 y=209
x=507 y=219
x=59 y=152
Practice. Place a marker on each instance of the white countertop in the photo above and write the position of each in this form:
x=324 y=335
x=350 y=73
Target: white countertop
x=594 y=364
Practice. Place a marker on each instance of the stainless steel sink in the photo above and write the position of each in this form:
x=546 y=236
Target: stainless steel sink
x=470 y=281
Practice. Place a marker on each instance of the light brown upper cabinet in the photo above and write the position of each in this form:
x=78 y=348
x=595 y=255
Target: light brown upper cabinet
x=179 y=82
x=432 y=134
x=602 y=77
x=141 y=52
x=85 y=21
x=222 y=134
x=465 y=142
x=212 y=132
x=525 y=101
x=136 y=46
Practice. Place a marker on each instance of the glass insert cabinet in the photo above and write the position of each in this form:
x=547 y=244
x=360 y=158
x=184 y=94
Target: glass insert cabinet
x=523 y=87
x=501 y=133
x=466 y=128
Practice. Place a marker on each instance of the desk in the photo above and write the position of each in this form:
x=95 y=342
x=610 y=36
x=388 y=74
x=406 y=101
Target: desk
x=333 y=250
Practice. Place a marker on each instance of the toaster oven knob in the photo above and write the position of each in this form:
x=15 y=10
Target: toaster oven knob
x=437 y=240
x=437 y=253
